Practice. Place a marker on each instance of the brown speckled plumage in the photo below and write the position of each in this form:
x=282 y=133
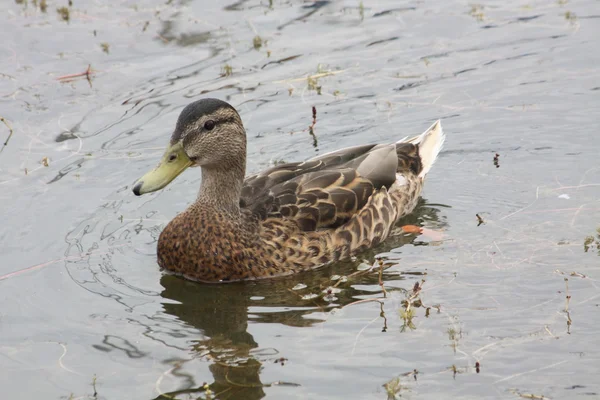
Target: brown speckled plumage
x=291 y=217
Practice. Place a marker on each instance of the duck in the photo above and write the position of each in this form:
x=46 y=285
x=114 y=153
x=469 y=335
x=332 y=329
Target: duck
x=289 y=218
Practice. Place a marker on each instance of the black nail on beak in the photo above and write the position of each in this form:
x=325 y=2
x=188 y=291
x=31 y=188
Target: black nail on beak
x=137 y=188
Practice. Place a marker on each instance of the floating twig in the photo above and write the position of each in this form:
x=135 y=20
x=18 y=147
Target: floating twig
x=311 y=128
x=314 y=117
x=568 y=297
x=382 y=315
x=10 y=132
x=550 y=332
x=380 y=261
x=312 y=77
x=70 y=258
x=572 y=273
x=529 y=395
x=164 y=39
x=60 y=360
x=479 y=219
x=87 y=74
x=567 y=300
x=94 y=386
x=281 y=61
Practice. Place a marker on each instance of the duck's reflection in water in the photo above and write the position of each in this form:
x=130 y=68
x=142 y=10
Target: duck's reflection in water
x=221 y=313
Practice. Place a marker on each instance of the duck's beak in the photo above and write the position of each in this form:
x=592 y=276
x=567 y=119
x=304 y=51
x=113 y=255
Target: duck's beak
x=173 y=163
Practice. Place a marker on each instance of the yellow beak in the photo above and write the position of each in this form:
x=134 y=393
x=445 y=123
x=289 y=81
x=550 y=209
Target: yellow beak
x=173 y=163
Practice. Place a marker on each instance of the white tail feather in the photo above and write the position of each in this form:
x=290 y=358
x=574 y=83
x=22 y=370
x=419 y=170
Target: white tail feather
x=430 y=143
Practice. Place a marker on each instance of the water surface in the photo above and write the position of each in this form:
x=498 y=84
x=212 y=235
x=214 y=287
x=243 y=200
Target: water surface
x=83 y=299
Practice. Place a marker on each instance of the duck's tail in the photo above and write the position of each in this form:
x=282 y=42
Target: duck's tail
x=430 y=143
x=374 y=221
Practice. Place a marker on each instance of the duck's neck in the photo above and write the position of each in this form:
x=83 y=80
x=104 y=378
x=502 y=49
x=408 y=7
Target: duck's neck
x=221 y=187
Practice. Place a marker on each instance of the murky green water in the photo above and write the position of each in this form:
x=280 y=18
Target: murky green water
x=83 y=299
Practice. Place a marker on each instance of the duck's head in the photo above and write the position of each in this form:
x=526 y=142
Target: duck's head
x=209 y=133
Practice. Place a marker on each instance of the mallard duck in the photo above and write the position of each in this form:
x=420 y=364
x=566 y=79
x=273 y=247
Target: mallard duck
x=289 y=218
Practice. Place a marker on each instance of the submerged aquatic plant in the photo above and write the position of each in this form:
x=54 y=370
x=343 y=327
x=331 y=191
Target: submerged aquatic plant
x=591 y=242
x=64 y=13
x=313 y=84
x=226 y=70
x=257 y=42
x=313 y=80
x=477 y=12
x=570 y=16
x=407 y=313
x=392 y=388
x=454 y=336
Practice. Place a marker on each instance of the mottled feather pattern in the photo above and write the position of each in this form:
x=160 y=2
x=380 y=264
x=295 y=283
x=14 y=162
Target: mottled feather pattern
x=299 y=216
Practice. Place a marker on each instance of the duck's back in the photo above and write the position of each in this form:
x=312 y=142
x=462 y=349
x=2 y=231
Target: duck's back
x=326 y=191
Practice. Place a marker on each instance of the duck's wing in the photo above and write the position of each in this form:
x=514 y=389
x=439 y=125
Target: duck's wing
x=326 y=191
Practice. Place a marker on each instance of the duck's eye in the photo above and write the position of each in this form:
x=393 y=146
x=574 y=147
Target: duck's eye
x=209 y=125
